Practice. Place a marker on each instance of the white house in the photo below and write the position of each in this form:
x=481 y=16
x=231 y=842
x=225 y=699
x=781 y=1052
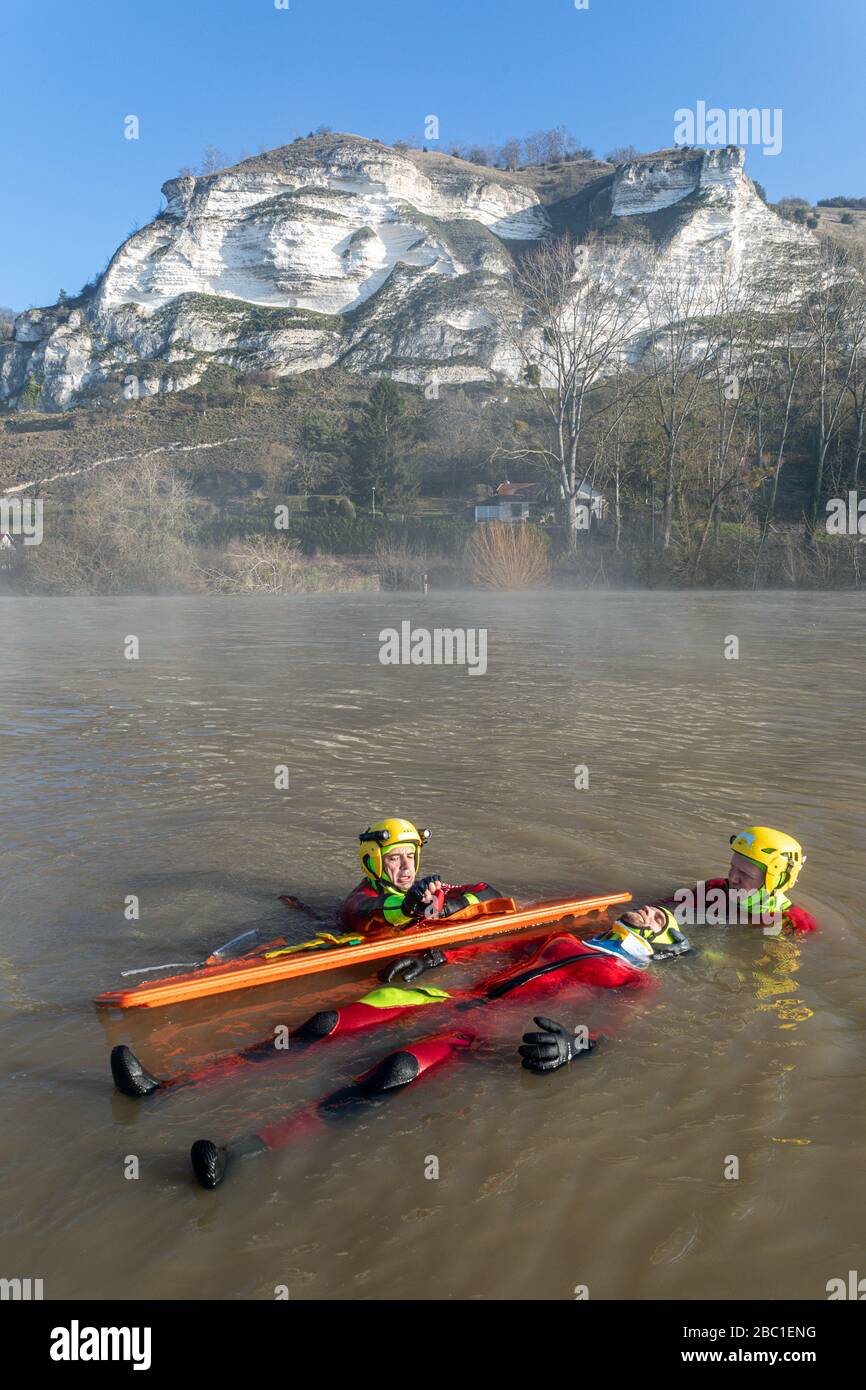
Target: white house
x=515 y=501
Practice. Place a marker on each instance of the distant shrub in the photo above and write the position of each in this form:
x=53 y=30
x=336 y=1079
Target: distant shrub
x=502 y=555
x=332 y=506
x=621 y=155
x=794 y=209
x=841 y=202
x=360 y=535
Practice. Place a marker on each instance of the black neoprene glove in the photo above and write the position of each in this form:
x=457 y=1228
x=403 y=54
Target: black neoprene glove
x=550 y=1049
x=413 y=904
x=408 y=968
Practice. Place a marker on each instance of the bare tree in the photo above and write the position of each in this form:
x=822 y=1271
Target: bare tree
x=674 y=298
x=857 y=390
x=612 y=443
x=534 y=147
x=730 y=364
x=262 y=564
x=781 y=349
x=857 y=380
x=213 y=160
x=834 y=311
x=127 y=532
x=544 y=146
x=622 y=154
x=570 y=318
x=510 y=154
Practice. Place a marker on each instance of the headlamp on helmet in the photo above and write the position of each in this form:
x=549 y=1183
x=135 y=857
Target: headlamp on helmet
x=382 y=837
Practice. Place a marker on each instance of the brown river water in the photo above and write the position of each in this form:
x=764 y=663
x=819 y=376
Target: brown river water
x=155 y=777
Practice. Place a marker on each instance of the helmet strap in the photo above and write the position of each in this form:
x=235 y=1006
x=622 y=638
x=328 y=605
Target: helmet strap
x=785 y=877
x=370 y=871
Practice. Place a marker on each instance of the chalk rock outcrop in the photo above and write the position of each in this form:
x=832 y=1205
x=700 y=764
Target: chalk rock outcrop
x=339 y=249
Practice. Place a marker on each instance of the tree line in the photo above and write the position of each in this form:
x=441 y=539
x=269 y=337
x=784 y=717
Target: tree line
x=697 y=390
x=687 y=400
x=539 y=147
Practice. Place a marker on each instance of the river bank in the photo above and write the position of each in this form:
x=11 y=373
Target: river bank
x=260 y=562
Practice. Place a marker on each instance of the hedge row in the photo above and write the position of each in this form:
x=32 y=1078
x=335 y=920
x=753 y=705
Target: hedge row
x=339 y=535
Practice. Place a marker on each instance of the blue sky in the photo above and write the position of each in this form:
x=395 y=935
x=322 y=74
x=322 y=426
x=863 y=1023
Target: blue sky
x=242 y=73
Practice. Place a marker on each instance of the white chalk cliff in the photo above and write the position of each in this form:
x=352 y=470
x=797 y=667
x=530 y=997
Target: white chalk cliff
x=339 y=249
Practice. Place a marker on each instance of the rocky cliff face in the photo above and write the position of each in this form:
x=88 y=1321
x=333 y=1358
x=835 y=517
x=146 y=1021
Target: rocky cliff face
x=723 y=221
x=341 y=250
x=648 y=185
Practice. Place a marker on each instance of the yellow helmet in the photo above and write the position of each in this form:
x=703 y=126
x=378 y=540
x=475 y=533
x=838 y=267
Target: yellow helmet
x=780 y=856
x=386 y=835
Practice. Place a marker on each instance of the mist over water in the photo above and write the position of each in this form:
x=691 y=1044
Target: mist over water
x=155 y=777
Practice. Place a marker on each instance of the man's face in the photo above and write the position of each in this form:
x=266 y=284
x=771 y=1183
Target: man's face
x=647 y=918
x=399 y=865
x=744 y=876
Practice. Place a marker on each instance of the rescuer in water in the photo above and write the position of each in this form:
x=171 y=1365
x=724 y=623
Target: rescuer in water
x=391 y=897
x=764 y=864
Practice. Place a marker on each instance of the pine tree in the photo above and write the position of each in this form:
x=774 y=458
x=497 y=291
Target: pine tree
x=379 y=439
